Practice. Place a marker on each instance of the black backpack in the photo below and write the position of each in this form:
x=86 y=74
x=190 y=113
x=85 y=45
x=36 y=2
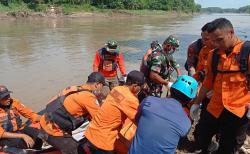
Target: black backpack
x=197 y=47
x=244 y=55
x=145 y=69
x=56 y=112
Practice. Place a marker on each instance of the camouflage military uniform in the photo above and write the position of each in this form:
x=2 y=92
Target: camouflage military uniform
x=162 y=64
x=173 y=65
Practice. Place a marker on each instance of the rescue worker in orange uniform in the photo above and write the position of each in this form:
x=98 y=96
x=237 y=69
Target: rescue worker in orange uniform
x=123 y=143
x=13 y=133
x=193 y=55
x=227 y=109
x=203 y=54
x=200 y=72
x=107 y=60
x=69 y=110
x=121 y=103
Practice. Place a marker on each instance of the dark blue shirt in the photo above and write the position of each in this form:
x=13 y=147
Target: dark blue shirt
x=161 y=123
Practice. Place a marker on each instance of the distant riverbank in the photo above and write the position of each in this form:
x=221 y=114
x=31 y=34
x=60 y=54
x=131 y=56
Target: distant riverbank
x=79 y=11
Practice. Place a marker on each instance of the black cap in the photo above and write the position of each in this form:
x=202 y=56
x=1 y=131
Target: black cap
x=96 y=77
x=136 y=77
x=4 y=91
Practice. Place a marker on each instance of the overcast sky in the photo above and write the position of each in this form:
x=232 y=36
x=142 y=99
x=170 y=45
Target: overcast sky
x=223 y=3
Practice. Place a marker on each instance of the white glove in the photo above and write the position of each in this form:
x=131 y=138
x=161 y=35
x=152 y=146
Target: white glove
x=248 y=112
x=124 y=78
x=170 y=84
x=194 y=112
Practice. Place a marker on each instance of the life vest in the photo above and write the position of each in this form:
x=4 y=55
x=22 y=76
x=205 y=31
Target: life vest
x=10 y=120
x=56 y=112
x=243 y=61
x=108 y=61
x=197 y=46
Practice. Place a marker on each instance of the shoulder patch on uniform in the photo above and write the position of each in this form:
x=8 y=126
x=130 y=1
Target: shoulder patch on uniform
x=117 y=96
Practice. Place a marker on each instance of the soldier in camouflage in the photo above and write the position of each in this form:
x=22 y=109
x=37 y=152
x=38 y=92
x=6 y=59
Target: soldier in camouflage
x=161 y=64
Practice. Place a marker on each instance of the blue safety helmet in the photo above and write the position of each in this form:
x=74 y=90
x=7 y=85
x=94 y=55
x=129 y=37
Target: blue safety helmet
x=186 y=85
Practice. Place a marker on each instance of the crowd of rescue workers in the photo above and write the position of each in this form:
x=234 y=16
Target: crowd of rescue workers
x=134 y=117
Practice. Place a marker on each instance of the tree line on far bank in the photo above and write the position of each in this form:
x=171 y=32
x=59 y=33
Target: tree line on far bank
x=245 y=9
x=167 y=5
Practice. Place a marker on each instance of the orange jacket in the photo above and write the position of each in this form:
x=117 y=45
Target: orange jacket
x=103 y=130
x=128 y=132
x=16 y=110
x=108 y=66
x=230 y=90
x=77 y=104
x=202 y=61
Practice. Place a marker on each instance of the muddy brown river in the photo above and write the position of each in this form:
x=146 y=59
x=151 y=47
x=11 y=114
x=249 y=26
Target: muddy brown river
x=40 y=57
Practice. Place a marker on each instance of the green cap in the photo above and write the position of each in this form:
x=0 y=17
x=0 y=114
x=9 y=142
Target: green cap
x=172 y=40
x=112 y=46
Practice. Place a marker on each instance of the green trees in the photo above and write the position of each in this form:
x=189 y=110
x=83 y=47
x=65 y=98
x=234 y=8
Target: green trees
x=167 y=5
x=213 y=9
x=245 y=9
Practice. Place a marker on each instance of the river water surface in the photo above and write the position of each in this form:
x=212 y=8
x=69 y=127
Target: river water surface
x=38 y=58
